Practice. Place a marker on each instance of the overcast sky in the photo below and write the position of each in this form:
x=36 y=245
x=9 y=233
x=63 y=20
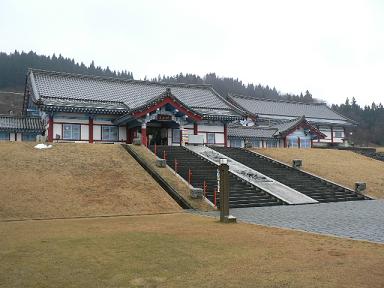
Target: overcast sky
x=335 y=49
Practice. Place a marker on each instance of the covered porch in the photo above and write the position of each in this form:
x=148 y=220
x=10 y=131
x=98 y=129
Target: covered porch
x=166 y=121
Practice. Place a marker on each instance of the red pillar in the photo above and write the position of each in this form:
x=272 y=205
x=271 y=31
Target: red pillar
x=90 y=125
x=195 y=130
x=331 y=134
x=129 y=135
x=50 y=128
x=311 y=142
x=181 y=136
x=225 y=135
x=285 y=142
x=298 y=142
x=144 y=134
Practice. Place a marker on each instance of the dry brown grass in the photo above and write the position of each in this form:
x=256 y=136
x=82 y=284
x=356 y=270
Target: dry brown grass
x=180 y=251
x=344 y=167
x=180 y=186
x=75 y=180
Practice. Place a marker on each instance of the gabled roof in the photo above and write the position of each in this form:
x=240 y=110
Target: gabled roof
x=274 y=108
x=132 y=93
x=77 y=105
x=274 y=131
x=11 y=123
x=251 y=132
x=287 y=127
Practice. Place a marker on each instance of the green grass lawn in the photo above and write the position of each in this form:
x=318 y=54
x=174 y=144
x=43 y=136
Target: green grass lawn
x=179 y=250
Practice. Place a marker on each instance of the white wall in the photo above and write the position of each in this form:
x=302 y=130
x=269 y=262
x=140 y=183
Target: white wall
x=96 y=132
x=122 y=133
x=57 y=130
x=19 y=137
x=84 y=132
x=12 y=137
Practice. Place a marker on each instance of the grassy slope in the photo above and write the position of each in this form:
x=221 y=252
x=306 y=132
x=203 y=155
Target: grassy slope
x=344 y=167
x=179 y=251
x=75 y=180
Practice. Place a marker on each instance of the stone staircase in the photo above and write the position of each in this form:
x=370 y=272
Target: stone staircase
x=375 y=155
x=242 y=193
x=310 y=185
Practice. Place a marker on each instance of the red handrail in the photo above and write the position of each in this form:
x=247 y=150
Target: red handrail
x=189 y=175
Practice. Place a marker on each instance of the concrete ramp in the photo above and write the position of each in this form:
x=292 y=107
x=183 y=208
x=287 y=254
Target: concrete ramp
x=254 y=177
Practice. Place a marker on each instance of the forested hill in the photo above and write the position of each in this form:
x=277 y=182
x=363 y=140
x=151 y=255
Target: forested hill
x=13 y=68
x=370 y=118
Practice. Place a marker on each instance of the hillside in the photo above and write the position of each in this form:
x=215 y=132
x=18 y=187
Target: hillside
x=344 y=167
x=72 y=180
x=11 y=101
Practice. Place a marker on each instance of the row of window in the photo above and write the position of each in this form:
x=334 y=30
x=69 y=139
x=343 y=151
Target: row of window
x=236 y=142
x=294 y=142
x=211 y=137
x=73 y=132
x=5 y=136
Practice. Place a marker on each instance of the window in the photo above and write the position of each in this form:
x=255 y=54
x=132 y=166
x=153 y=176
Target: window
x=211 y=138
x=293 y=142
x=175 y=135
x=28 y=136
x=271 y=143
x=109 y=133
x=235 y=142
x=4 y=136
x=71 y=131
x=338 y=134
x=305 y=143
x=255 y=143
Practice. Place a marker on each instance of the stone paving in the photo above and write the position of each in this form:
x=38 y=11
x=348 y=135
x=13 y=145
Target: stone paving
x=363 y=220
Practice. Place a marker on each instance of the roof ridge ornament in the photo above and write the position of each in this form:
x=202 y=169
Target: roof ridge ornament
x=168 y=92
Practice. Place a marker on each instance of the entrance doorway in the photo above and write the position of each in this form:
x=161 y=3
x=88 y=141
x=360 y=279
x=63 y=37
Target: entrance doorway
x=157 y=135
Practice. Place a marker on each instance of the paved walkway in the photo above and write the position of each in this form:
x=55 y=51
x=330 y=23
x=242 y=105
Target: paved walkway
x=363 y=220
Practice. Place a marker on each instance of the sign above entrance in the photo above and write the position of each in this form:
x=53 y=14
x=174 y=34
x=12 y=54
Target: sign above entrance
x=164 y=117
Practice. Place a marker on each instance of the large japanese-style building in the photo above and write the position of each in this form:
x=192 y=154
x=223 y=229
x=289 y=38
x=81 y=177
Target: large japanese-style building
x=88 y=109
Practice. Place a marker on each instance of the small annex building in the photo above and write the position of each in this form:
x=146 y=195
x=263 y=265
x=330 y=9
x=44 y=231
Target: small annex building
x=273 y=123
x=20 y=128
x=68 y=107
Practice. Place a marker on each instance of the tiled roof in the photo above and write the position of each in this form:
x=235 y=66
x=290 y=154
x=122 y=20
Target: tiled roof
x=274 y=130
x=266 y=107
x=284 y=126
x=251 y=132
x=87 y=106
x=21 y=124
x=130 y=92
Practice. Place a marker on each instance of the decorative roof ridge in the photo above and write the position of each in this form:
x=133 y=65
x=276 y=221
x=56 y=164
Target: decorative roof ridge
x=253 y=127
x=83 y=100
x=210 y=108
x=19 y=116
x=115 y=79
x=235 y=95
x=160 y=97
